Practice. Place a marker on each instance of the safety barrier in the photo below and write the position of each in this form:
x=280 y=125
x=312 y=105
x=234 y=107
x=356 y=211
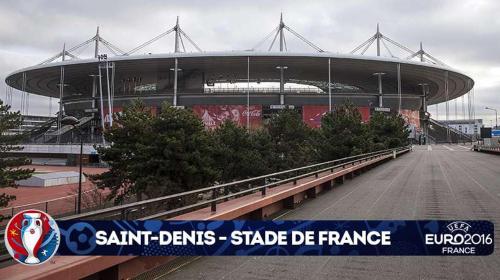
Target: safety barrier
x=487 y=149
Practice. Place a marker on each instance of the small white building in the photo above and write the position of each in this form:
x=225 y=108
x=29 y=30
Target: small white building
x=51 y=179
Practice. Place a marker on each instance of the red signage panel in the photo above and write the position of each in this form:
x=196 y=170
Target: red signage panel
x=312 y=114
x=214 y=115
x=365 y=114
x=411 y=117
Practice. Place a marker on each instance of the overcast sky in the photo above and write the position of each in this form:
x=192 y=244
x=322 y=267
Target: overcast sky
x=463 y=34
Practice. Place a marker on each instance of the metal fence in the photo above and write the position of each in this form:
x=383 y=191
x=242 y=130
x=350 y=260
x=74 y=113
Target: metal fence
x=61 y=206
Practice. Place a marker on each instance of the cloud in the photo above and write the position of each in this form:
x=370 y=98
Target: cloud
x=462 y=34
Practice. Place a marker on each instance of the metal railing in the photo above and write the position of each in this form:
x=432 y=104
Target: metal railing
x=61 y=206
x=176 y=204
x=170 y=205
x=262 y=90
x=460 y=134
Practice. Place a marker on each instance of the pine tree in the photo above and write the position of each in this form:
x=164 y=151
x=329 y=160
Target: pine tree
x=292 y=140
x=239 y=153
x=388 y=130
x=155 y=155
x=342 y=134
x=10 y=167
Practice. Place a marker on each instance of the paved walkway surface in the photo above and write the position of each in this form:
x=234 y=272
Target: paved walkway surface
x=433 y=182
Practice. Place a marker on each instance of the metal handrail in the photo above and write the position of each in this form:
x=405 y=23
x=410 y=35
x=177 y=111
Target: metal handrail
x=46 y=201
x=263 y=188
x=456 y=131
x=206 y=189
x=124 y=208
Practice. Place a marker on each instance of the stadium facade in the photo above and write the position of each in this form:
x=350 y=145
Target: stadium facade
x=222 y=85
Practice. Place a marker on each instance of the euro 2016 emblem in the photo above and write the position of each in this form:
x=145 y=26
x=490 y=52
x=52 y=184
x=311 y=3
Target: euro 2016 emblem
x=32 y=237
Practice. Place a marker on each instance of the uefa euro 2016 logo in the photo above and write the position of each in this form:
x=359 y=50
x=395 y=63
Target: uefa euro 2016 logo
x=458 y=226
x=32 y=237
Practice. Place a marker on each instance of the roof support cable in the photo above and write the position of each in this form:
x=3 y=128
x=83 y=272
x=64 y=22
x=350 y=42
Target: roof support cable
x=6 y=94
x=414 y=55
x=387 y=48
x=397 y=44
x=274 y=40
x=182 y=44
x=27 y=103
x=60 y=54
x=265 y=38
x=380 y=37
x=26 y=95
x=111 y=47
x=463 y=107
x=426 y=58
x=279 y=30
x=284 y=42
x=435 y=59
x=114 y=49
x=369 y=41
x=75 y=56
x=368 y=45
x=51 y=58
x=10 y=95
x=150 y=41
x=190 y=41
x=303 y=39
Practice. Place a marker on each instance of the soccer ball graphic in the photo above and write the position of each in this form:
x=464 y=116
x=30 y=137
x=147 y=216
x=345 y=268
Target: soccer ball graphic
x=32 y=237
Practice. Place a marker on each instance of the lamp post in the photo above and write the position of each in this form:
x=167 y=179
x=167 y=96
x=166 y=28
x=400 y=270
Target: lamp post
x=380 y=100
x=496 y=115
x=70 y=120
x=424 y=110
x=282 y=83
x=61 y=86
x=176 y=69
x=329 y=84
x=248 y=93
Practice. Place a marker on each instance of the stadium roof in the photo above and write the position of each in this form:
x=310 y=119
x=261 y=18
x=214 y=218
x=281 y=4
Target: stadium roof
x=441 y=82
x=356 y=70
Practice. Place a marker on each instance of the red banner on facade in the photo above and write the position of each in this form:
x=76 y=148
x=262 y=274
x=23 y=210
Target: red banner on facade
x=214 y=115
x=365 y=114
x=411 y=117
x=312 y=114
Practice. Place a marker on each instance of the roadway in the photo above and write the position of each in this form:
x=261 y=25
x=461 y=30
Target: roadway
x=432 y=182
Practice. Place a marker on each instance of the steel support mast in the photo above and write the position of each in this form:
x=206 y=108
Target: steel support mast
x=282 y=70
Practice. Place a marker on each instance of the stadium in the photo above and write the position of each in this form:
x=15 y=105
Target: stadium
x=245 y=86
x=288 y=187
